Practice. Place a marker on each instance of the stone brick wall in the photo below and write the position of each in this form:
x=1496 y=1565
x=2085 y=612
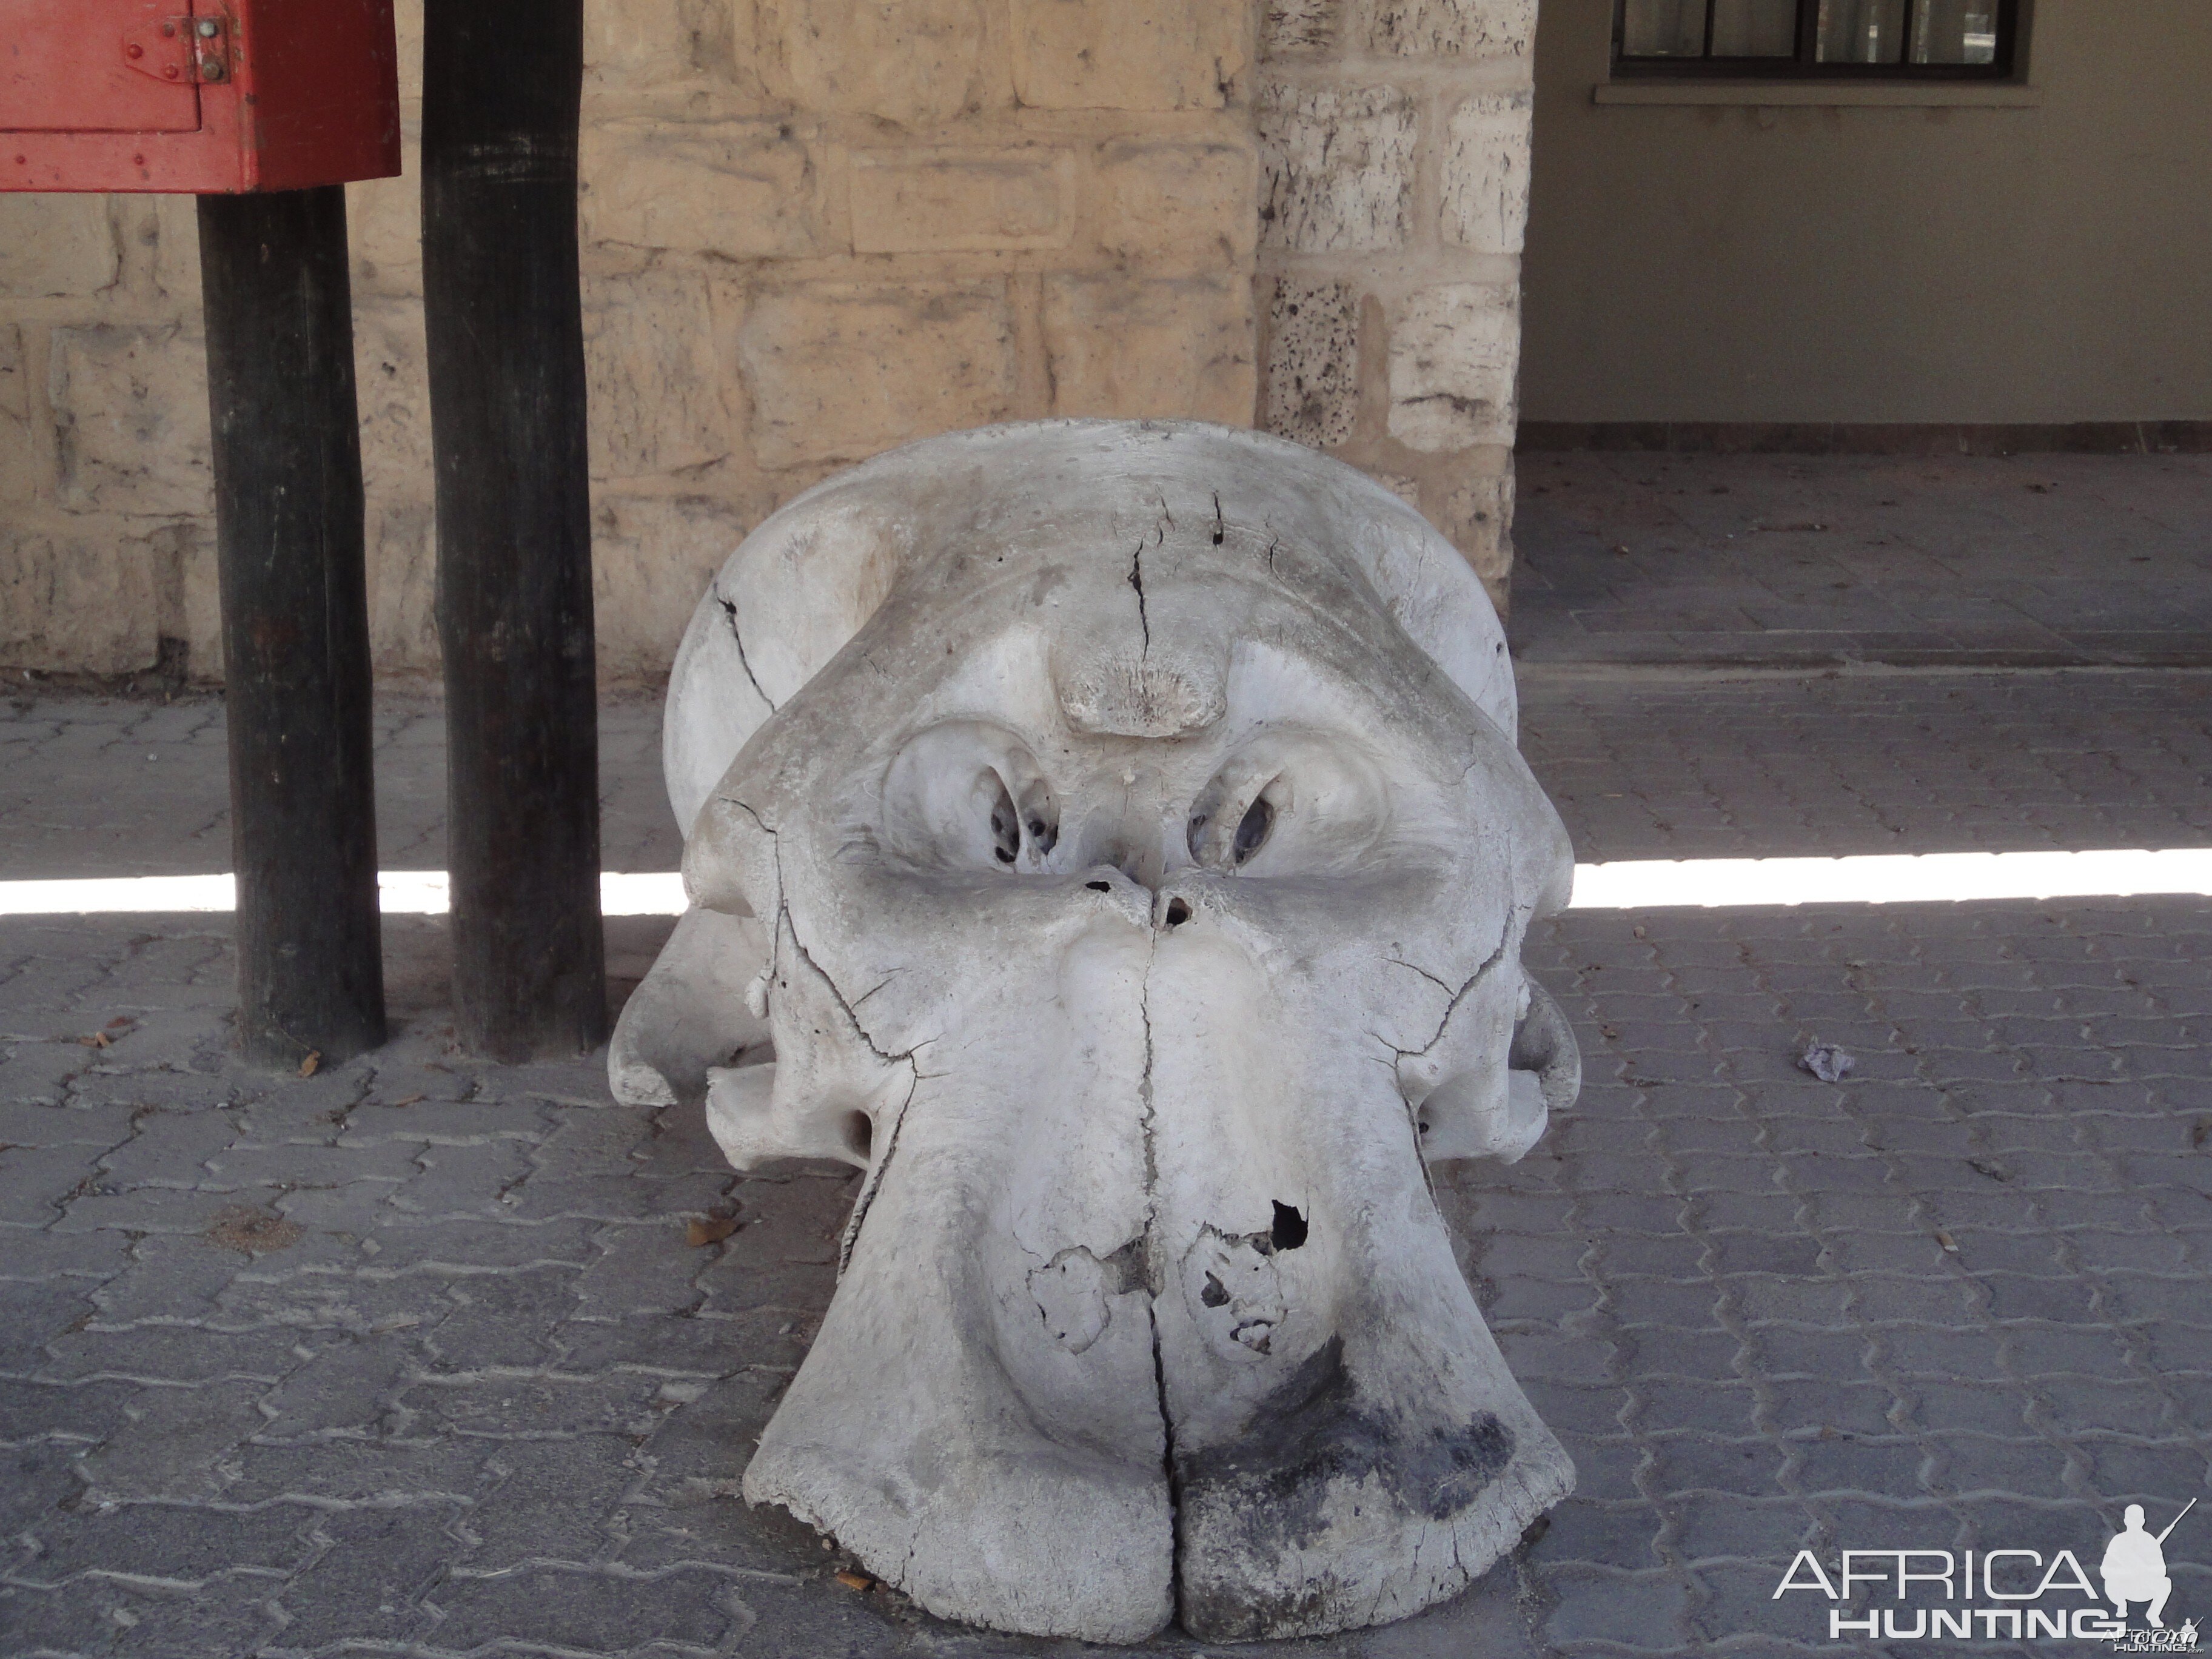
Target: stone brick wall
x=814 y=228
x=1393 y=139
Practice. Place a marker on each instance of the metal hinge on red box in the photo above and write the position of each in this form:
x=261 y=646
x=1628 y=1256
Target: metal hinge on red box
x=209 y=97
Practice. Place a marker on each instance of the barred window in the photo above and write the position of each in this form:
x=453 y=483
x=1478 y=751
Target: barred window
x=1838 y=39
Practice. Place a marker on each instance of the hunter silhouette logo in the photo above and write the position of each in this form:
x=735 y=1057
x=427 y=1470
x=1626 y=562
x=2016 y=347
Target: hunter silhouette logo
x=2002 y=1595
x=2133 y=1570
x=2135 y=1565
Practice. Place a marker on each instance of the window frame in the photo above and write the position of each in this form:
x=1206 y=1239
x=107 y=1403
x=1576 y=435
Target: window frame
x=2003 y=68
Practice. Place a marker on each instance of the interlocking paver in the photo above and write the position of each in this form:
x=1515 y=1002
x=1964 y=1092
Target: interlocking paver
x=1959 y=1296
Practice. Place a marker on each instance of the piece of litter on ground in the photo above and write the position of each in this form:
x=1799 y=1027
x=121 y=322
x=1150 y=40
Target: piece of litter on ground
x=1948 y=1242
x=308 y=1065
x=856 y=1580
x=1826 y=1062
x=708 y=1229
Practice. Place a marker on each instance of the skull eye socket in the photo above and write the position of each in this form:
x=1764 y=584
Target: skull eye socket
x=1252 y=830
x=965 y=795
x=1235 y=816
x=1293 y=803
x=1038 y=815
x=1006 y=825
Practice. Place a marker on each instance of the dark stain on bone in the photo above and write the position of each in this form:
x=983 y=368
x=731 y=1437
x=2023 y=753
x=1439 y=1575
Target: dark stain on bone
x=1265 y=1489
x=1214 y=1295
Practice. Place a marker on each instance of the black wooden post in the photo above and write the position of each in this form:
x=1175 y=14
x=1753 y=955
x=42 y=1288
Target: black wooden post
x=295 y=623
x=502 y=79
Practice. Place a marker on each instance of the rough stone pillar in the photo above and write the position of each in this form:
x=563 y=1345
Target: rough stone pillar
x=1395 y=152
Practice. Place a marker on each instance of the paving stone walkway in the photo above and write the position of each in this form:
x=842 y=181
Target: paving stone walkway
x=413 y=1357
x=1796 y=561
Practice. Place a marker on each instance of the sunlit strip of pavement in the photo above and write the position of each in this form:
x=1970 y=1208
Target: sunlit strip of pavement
x=1630 y=885
x=399 y=893
x=1892 y=878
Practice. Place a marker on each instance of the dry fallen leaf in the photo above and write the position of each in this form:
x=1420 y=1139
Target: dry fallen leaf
x=97 y=1040
x=708 y=1229
x=251 y=1232
x=308 y=1065
x=856 y=1580
x=411 y=1100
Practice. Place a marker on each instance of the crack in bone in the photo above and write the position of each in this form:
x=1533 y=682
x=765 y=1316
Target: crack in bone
x=1156 y=1272
x=1505 y=943
x=1506 y=940
x=785 y=925
x=1137 y=582
x=738 y=638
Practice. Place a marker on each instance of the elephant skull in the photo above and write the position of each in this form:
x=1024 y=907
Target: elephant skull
x=1114 y=833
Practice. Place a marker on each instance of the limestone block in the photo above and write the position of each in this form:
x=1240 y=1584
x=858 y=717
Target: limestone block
x=20 y=472
x=652 y=557
x=738 y=189
x=1486 y=174
x=176 y=258
x=1477 y=515
x=1455 y=29
x=1312 y=361
x=392 y=389
x=914 y=62
x=53 y=245
x=1115 y=345
x=199 y=594
x=911 y=201
x=1336 y=169
x=839 y=370
x=131 y=418
x=403 y=587
x=1170 y=199
x=1131 y=54
x=655 y=383
x=1454 y=349
x=1290 y=28
x=77 y=599
x=384 y=226
x=407 y=16
x=648 y=44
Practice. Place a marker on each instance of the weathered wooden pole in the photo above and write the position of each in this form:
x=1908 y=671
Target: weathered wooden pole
x=503 y=80
x=295 y=623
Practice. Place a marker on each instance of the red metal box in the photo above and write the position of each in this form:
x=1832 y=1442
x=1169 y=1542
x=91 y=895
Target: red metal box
x=209 y=97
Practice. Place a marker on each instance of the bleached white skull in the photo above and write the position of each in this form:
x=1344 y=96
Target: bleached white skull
x=1118 y=830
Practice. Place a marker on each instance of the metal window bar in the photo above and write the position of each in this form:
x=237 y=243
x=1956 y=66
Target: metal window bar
x=1806 y=64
